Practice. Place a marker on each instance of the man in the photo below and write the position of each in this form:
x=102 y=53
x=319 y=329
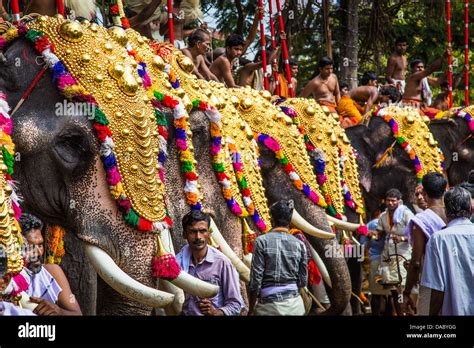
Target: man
x=448 y=269
x=369 y=79
x=358 y=101
x=417 y=91
x=49 y=287
x=397 y=65
x=142 y=13
x=469 y=185
x=235 y=46
x=251 y=73
x=184 y=13
x=419 y=231
x=279 y=267
x=207 y=263
x=391 y=226
x=324 y=87
x=441 y=101
x=283 y=82
x=420 y=202
x=199 y=44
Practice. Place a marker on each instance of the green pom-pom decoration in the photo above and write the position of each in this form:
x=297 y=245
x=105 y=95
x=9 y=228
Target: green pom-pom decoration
x=99 y=117
x=132 y=218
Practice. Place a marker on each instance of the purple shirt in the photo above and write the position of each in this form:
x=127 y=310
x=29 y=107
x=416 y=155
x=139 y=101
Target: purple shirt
x=7 y=308
x=428 y=221
x=215 y=268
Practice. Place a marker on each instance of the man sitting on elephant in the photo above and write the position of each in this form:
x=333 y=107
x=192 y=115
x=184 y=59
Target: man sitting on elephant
x=391 y=225
x=207 y=263
x=49 y=287
x=279 y=267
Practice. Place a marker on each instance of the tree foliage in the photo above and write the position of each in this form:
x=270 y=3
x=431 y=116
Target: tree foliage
x=422 y=22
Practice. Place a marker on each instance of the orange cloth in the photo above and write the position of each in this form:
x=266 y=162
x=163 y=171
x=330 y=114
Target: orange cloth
x=332 y=106
x=348 y=108
x=424 y=110
x=283 y=86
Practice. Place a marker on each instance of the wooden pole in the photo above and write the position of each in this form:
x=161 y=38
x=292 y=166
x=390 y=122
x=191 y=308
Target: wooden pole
x=170 y=21
x=450 y=58
x=285 y=52
x=262 y=43
x=466 y=52
x=275 y=63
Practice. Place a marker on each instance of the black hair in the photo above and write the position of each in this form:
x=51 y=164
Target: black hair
x=195 y=216
x=234 y=40
x=198 y=35
x=457 y=203
x=368 y=76
x=444 y=84
x=244 y=61
x=29 y=222
x=469 y=184
x=325 y=61
x=293 y=62
x=434 y=184
x=393 y=193
x=342 y=85
x=281 y=213
x=415 y=62
x=401 y=39
x=392 y=92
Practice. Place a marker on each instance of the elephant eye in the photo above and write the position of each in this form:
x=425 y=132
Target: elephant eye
x=72 y=150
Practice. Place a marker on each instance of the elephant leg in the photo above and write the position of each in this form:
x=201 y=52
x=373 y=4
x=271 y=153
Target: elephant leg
x=81 y=275
x=355 y=271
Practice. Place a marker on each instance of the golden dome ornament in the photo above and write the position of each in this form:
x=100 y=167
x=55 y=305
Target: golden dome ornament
x=119 y=35
x=71 y=31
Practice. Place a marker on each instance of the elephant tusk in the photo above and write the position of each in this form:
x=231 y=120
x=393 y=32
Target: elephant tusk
x=121 y=282
x=344 y=225
x=242 y=269
x=306 y=227
x=177 y=306
x=194 y=286
x=248 y=260
x=321 y=266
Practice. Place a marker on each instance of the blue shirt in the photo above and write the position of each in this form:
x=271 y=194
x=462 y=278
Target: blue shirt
x=449 y=266
x=375 y=246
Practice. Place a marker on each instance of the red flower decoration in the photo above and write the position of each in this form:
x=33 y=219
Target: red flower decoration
x=114 y=10
x=102 y=132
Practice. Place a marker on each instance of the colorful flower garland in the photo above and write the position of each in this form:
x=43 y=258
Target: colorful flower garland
x=467 y=117
x=117 y=13
x=69 y=87
x=380 y=112
x=55 y=242
x=273 y=146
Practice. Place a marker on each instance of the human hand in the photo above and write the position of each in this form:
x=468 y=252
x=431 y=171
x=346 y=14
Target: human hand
x=408 y=306
x=207 y=308
x=282 y=35
x=396 y=238
x=45 y=308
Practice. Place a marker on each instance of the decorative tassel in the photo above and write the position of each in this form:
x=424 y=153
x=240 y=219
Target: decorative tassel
x=362 y=230
x=164 y=264
x=211 y=242
x=248 y=238
x=314 y=276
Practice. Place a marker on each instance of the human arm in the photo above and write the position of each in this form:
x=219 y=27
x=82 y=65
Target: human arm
x=302 y=268
x=391 y=63
x=206 y=73
x=337 y=92
x=436 y=302
x=253 y=30
x=373 y=96
x=226 y=69
x=432 y=68
x=308 y=89
x=144 y=14
x=256 y=274
x=66 y=300
x=434 y=274
x=414 y=268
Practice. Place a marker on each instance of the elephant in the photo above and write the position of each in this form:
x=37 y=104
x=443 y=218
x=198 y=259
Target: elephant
x=397 y=171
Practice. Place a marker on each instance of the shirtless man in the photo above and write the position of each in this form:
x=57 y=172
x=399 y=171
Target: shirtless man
x=324 y=87
x=235 y=47
x=140 y=21
x=178 y=26
x=252 y=72
x=397 y=65
x=199 y=44
x=413 y=91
